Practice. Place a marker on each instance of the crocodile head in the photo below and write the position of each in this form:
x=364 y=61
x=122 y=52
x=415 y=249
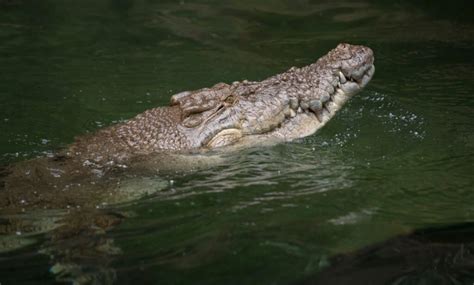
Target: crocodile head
x=286 y=106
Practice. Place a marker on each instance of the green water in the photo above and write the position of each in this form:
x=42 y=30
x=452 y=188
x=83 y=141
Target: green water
x=398 y=157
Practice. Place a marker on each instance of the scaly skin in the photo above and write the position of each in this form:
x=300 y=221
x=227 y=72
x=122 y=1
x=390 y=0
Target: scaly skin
x=283 y=107
x=225 y=114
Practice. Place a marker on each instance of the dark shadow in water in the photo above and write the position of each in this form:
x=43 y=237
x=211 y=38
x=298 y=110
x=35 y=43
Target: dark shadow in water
x=429 y=256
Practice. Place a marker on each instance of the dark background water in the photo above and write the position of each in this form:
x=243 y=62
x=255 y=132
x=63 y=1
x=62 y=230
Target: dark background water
x=398 y=157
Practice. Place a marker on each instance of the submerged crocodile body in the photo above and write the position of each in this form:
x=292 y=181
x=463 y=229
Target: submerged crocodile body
x=283 y=107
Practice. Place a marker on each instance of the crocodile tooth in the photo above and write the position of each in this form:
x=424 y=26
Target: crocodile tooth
x=350 y=87
x=292 y=113
x=319 y=115
x=342 y=77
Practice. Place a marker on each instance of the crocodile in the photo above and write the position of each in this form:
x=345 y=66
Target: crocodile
x=76 y=182
x=284 y=107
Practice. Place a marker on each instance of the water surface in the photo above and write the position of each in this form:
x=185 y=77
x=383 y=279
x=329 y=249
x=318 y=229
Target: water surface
x=398 y=157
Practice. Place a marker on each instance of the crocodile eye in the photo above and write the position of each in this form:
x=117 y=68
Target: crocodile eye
x=231 y=99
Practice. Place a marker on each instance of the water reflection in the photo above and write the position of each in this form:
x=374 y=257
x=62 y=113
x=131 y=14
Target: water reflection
x=312 y=171
x=76 y=244
x=77 y=240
